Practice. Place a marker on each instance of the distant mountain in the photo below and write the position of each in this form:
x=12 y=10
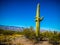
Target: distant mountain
x=42 y=30
x=15 y=28
x=11 y=28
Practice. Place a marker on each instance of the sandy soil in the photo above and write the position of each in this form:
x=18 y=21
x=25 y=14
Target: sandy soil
x=43 y=43
x=25 y=41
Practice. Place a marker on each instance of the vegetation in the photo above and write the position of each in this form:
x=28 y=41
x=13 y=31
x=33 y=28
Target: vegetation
x=52 y=37
x=29 y=33
x=6 y=36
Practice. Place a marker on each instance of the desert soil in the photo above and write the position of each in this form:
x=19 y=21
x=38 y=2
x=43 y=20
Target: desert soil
x=25 y=41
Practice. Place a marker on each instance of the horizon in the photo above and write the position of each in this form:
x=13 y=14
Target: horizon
x=41 y=29
x=22 y=13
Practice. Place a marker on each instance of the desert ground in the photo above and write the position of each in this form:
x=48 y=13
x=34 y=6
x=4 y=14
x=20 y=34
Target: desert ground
x=21 y=40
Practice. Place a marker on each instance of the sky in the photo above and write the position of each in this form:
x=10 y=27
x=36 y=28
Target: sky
x=22 y=13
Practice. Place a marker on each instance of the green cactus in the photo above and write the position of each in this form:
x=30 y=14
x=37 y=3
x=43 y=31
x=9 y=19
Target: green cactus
x=38 y=19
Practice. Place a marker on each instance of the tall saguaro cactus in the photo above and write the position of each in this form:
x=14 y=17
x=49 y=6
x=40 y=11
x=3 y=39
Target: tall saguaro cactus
x=38 y=19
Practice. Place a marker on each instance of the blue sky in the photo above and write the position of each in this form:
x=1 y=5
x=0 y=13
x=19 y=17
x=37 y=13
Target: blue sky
x=22 y=13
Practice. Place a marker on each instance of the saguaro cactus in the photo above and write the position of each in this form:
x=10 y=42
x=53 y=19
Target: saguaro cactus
x=38 y=19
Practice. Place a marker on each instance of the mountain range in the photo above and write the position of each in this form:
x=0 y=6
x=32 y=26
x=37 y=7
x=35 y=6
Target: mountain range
x=15 y=28
x=11 y=28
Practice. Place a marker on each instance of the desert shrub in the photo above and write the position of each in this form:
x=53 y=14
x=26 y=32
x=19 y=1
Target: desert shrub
x=29 y=33
x=55 y=38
